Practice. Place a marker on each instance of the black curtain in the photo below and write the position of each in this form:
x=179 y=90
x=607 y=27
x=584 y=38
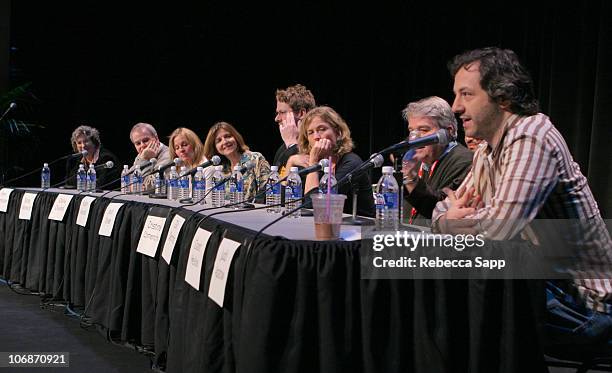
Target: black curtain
x=194 y=63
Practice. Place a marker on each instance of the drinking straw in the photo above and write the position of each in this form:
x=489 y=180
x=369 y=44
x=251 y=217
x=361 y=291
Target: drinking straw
x=328 y=208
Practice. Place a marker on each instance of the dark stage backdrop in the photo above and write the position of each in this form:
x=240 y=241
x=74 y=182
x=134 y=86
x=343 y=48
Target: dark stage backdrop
x=112 y=64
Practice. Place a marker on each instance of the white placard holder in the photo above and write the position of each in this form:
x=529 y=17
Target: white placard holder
x=151 y=235
x=60 y=205
x=196 y=258
x=27 y=203
x=84 y=211
x=173 y=232
x=108 y=221
x=220 y=272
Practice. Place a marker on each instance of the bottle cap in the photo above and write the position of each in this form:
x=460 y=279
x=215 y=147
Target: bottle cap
x=200 y=168
x=294 y=169
x=274 y=168
x=326 y=170
x=387 y=169
x=125 y=167
x=45 y=164
x=173 y=168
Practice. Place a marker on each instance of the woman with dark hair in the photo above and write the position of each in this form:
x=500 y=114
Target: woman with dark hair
x=88 y=138
x=324 y=133
x=225 y=141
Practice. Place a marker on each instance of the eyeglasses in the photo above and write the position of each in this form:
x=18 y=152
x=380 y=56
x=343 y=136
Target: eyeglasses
x=282 y=112
x=415 y=134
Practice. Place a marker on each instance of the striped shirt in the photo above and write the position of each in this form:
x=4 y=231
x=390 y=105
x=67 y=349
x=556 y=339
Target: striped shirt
x=531 y=175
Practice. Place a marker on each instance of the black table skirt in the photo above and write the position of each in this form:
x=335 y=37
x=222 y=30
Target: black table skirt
x=290 y=306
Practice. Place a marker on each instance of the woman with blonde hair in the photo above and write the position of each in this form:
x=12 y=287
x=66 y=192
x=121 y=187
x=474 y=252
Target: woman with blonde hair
x=186 y=145
x=324 y=134
x=225 y=141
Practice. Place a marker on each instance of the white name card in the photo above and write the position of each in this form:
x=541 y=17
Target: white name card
x=196 y=256
x=27 y=202
x=84 y=211
x=5 y=194
x=108 y=221
x=151 y=235
x=173 y=232
x=223 y=261
x=60 y=206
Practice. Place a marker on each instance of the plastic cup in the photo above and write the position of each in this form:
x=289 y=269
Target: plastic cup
x=327 y=211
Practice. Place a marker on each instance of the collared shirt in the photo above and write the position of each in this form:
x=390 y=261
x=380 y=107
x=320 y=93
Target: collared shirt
x=531 y=174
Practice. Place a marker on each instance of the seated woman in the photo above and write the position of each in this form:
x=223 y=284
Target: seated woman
x=186 y=145
x=88 y=138
x=224 y=140
x=324 y=133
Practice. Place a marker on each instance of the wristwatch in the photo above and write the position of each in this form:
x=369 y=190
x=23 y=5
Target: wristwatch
x=410 y=180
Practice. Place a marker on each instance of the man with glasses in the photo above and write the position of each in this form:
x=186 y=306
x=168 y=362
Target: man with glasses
x=292 y=104
x=432 y=167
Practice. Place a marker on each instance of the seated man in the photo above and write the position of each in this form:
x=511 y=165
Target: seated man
x=432 y=167
x=147 y=144
x=525 y=175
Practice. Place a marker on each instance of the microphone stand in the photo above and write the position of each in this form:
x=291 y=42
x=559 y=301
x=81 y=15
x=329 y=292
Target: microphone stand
x=353 y=219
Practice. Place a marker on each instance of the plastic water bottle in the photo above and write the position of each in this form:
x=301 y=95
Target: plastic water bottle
x=137 y=180
x=327 y=178
x=125 y=179
x=45 y=176
x=160 y=183
x=387 y=201
x=183 y=184
x=173 y=184
x=218 y=193
x=293 y=193
x=199 y=186
x=91 y=179
x=81 y=176
x=273 y=191
x=236 y=188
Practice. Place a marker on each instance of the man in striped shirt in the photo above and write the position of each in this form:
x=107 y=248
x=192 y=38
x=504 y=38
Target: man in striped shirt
x=525 y=172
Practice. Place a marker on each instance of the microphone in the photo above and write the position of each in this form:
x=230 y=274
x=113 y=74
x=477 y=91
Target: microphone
x=215 y=160
x=109 y=164
x=11 y=106
x=319 y=166
x=440 y=137
x=376 y=160
x=177 y=161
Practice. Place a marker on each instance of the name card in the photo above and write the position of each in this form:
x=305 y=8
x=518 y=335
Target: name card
x=27 y=202
x=5 y=194
x=60 y=206
x=84 y=211
x=173 y=232
x=108 y=221
x=151 y=235
x=196 y=256
x=220 y=272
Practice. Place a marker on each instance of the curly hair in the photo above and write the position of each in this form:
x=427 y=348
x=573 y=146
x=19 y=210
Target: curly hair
x=297 y=97
x=92 y=134
x=344 y=142
x=502 y=76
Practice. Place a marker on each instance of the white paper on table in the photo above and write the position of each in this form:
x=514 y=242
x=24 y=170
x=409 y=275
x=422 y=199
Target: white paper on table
x=5 y=195
x=108 y=221
x=196 y=258
x=84 y=211
x=223 y=261
x=60 y=206
x=173 y=232
x=151 y=235
x=27 y=202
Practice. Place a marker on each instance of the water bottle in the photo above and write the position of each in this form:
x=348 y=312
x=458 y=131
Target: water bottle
x=387 y=201
x=91 y=179
x=293 y=193
x=273 y=191
x=183 y=184
x=81 y=177
x=45 y=176
x=199 y=186
x=218 y=193
x=327 y=179
x=236 y=186
x=137 y=180
x=125 y=179
x=173 y=184
x=160 y=183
